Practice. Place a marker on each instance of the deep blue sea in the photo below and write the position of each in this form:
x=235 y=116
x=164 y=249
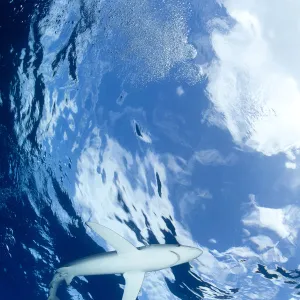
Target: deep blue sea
x=89 y=125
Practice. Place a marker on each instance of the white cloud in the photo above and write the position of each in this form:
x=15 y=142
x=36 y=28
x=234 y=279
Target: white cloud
x=37 y=256
x=191 y=200
x=254 y=80
x=243 y=252
x=71 y=122
x=290 y=165
x=176 y=164
x=213 y=241
x=291 y=155
x=274 y=255
x=246 y=232
x=65 y=136
x=179 y=91
x=262 y=242
x=74 y=294
x=172 y=125
x=285 y=222
x=213 y=157
x=178 y=167
x=156 y=286
x=208 y=265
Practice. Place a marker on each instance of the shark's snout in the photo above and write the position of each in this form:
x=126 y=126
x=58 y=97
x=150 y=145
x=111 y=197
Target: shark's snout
x=195 y=252
x=192 y=252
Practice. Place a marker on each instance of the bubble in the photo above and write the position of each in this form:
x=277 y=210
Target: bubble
x=143 y=40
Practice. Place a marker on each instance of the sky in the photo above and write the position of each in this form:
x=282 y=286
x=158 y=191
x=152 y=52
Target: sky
x=187 y=112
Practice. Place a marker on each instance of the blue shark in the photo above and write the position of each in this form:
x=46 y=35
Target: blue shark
x=128 y=260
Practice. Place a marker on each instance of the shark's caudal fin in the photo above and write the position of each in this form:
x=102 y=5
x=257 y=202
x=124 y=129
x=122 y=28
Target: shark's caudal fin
x=53 y=298
x=115 y=240
x=134 y=281
x=60 y=275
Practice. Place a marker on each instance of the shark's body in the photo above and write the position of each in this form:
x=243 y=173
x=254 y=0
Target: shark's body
x=128 y=260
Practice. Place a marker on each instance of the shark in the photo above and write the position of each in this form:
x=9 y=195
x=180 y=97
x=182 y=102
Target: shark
x=133 y=262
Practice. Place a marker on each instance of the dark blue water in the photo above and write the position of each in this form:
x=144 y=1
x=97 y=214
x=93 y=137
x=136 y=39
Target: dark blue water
x=28 y=174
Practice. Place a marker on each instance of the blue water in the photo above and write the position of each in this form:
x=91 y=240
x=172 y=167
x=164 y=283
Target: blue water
x=42 y=228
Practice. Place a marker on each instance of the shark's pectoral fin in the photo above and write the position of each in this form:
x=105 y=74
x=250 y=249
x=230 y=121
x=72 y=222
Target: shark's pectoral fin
x=116 y=241
x=133 y=283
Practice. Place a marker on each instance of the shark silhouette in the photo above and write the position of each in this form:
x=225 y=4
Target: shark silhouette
x=133 y=263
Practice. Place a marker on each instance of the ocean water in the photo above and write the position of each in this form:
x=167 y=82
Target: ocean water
x=71 y=149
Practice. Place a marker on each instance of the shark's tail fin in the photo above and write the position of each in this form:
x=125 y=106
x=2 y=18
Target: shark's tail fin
x=60 y=275
x=53 y=298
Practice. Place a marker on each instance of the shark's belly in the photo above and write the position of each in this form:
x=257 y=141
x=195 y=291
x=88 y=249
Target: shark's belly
x=102 y=264
x=122 y=263
x=154 y=261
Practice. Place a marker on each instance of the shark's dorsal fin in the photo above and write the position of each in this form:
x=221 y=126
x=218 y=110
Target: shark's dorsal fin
x=115 y=240
x=133 y=283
